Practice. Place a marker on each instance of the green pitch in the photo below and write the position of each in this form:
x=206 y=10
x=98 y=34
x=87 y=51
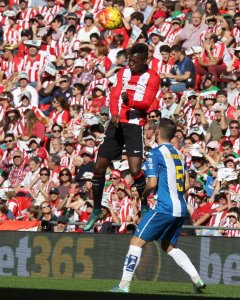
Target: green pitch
x=144 y=287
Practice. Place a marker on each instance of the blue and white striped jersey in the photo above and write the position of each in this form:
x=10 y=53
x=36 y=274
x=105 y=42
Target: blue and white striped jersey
x=167 y=164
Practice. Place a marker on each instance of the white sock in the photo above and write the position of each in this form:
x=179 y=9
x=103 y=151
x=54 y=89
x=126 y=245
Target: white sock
x=131 y=262
x=185 y=263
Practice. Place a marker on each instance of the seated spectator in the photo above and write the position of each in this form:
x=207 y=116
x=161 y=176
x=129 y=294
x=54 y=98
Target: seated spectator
x=23 y=81
x=182 y=74
x=87 y=164
x=3 y=212
x=46 y=216
x=62 y=225
x=190 y=35
x=57 y=204
x=18 y=170
x=60 y=112
x=65 y=179
x=43 y=186
x=231 y=220
x=32 y=126
x=98 y=99
x=214 y=58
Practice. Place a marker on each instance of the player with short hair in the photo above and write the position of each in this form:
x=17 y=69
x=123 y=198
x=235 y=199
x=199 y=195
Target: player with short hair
x=165 y=173
x=130 y=98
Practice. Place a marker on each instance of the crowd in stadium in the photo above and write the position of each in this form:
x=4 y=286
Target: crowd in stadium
x=57 y=68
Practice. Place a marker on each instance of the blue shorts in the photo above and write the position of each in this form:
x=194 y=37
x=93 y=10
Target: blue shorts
x=157 y=226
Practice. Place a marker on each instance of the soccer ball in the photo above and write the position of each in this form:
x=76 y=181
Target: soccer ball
x=110 y=18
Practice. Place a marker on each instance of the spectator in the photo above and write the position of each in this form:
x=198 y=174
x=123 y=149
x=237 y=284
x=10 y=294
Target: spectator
x=182 y=74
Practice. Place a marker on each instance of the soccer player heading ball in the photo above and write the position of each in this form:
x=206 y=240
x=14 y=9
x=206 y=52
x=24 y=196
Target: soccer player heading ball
x=165 y=171
x=130 y=98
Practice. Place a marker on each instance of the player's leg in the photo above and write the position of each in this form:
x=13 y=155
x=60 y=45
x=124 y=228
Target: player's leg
x=182 y=260
x=132 y=260
x=146 y=232
x=98 y=186
x=138 y=175
x=133 y=137
x=110 y=149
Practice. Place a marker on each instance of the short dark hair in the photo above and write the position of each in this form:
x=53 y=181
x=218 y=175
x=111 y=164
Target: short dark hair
x=138 y=16
x=10 y=135
x=167 y=128
x=141 y=49
x=79 y=86
x=165 y=48
x=94 y=35
x=45 y=169
x=221 y=92
x=177 y=48
x=227 y=144
x=233 y=122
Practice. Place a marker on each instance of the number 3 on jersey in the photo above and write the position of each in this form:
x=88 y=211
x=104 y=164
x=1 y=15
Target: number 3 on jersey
x=179 y=178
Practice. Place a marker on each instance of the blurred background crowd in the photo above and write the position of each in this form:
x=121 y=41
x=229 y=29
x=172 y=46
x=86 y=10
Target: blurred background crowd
x=57 y=67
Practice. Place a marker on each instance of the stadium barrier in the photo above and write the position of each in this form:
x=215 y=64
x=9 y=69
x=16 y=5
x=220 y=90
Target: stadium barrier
x=101 y=256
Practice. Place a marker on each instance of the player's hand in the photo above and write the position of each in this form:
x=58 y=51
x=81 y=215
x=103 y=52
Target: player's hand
x=124 y=96
x=115 y=120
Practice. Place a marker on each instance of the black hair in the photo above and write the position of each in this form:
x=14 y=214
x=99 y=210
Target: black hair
x=80 y=87
x=227 y=144
x=60 y=127
x=141 y=49
x=221 y=92
x=94 y=35
x=165 y=48
x=45 y=169
x=72 y=29
x=177 y=48
x=138 y=16
x=168 y=128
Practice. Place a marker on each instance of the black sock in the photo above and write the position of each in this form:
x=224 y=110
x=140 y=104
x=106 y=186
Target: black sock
x=140 y=183
x=98 y=186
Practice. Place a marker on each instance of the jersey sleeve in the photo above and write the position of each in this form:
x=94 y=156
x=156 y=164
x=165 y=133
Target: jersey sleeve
x=153 y=165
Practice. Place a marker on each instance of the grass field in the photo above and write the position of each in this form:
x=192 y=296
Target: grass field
x=142 y=287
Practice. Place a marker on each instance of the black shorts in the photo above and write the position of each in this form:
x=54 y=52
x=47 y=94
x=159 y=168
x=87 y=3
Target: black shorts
x=130 y=135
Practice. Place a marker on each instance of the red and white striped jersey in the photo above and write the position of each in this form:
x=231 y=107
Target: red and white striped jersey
x=59 y=118
x=82 y=16
x=165 y=67
x=65 y=46
x=67 y=159
x=164 y=29
x=98 y=5
x=10 y=67
x=83 y=101
x=4 y=21
x=236 y=102
x=32 y=67
x=126 y=209
x=141 y=90
x=236 y=35
x=12 y=35
x=104 y=82
x=27 y=14
x=232 y=233
x=48 y=13
x=154 y=64
x=219 y=51
x=171 y=36
x=210 y=115
x=49 y=51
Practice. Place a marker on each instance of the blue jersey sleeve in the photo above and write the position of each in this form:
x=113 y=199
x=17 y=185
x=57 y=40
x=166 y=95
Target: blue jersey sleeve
x=153 y=163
